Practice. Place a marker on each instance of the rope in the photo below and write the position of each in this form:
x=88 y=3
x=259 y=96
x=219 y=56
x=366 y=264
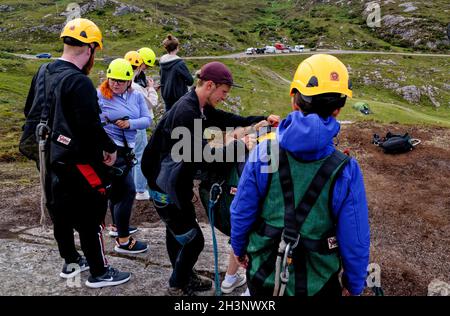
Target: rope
x=42 y=181
x=216 y=190
x=42 y=131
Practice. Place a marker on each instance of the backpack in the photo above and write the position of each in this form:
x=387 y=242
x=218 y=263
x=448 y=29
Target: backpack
x=227 y=176
x=37 y=125
x=394 y=143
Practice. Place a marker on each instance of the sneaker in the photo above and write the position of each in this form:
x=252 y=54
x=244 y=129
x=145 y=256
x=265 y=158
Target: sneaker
x=110 y=278
x=71 y=270
x=199 y=283
x=113 y=230
x=176 y=291
x=142 y=196
x=133 y=246
x=228 y=287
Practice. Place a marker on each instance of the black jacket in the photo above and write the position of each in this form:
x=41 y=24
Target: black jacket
x=183 y=114
x=175 y=79
x=76 y=116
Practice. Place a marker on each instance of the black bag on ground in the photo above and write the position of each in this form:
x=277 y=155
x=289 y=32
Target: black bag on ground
x=394 y=143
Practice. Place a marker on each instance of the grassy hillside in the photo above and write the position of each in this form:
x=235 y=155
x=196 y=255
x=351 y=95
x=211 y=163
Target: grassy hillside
x=266 y=90
x=216 y=27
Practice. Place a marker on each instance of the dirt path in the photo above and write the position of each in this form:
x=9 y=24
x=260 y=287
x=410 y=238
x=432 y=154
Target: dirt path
x=408 y=196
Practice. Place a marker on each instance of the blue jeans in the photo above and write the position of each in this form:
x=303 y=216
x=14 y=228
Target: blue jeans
x=141 y=142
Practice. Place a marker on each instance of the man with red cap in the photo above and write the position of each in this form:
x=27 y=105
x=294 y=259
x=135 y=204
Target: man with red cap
x=171 y=182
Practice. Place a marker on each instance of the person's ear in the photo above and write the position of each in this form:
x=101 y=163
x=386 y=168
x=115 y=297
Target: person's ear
x=336 y=112
x=294 y=106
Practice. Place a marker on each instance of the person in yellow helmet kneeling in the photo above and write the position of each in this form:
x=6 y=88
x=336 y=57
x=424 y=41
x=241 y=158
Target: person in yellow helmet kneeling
x=296 y=223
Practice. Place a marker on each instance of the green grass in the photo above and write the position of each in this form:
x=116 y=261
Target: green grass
x=210 y=27
x=266 y=84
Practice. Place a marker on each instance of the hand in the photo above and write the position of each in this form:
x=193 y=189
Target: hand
x=250 y=141
x=242 y=261
x=345 y=292
x=123 y=124
x=109 y=159
x=150 y=82
x=273 y=120
x=261 y=124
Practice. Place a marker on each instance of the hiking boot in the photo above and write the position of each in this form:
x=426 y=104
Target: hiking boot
x=142 y=196
x=113 y=230
x=71 y=270
x=199 y=283
x=111 y=277
x=133 y=246
x=228 y=287
x=176 y=291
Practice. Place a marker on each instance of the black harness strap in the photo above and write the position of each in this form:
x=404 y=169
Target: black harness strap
x=266 y=269
x=295 y=217
x=294 y=220
x=321 y=246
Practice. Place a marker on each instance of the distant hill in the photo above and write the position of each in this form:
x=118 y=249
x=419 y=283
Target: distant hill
x=217 y=27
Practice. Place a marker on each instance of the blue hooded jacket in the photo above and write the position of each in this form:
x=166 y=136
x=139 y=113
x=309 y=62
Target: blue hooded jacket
x=310 y=138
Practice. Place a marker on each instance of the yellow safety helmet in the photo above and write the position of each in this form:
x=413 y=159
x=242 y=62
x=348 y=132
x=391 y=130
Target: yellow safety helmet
x=134 y=58
x=148 y=56
x=321 y=73
x=84 y=31
x=120 y=69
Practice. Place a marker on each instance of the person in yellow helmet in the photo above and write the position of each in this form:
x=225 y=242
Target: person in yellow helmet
x=141 y=60
x=305 y=217
x=78 y=154
x=124 y=112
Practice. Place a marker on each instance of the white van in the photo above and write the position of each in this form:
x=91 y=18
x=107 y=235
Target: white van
x=270 y=50
x=299 y=48
x=250 y=51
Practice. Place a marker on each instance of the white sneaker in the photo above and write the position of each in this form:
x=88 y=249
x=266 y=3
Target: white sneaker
x=142 y=196
x=227 y=287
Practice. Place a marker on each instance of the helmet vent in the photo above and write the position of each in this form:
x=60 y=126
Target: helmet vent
x=83 y=34
x=313 y=82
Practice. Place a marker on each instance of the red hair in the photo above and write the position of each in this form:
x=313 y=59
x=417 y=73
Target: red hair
x=106 y=90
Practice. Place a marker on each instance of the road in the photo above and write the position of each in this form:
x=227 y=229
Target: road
x=306 y=52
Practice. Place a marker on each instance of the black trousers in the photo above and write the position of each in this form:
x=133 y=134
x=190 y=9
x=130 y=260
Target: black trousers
x=122 y=196
x=73 y=204
x=184 y=240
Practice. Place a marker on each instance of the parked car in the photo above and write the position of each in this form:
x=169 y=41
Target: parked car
x=260 y=50
x=44 y=55
x=299 y=48
x=280 y=46
x=270 y=50
x=250 y=51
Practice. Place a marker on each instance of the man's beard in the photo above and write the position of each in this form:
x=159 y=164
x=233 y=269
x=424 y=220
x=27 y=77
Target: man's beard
x=87 y=68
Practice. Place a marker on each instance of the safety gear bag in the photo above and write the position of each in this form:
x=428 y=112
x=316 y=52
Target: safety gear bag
x=395 y=143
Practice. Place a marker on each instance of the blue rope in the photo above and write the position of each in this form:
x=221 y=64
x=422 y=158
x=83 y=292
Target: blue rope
x=211 y=204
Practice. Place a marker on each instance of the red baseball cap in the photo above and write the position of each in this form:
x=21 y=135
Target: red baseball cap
x=218 y=73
